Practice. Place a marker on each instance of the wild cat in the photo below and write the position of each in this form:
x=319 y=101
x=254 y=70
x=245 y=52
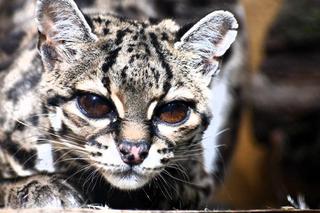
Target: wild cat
x=106 y=110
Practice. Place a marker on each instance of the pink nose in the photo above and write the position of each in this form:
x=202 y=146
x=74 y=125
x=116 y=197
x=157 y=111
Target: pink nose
x=133 y=153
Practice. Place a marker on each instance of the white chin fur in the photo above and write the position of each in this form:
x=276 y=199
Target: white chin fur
x=127 y=182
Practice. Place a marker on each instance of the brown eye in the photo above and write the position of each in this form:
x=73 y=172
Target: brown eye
x=94 y=106
x=173 y=113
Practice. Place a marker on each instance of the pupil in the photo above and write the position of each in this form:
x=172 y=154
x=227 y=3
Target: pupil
x=173 y=112
x=95 y=101
x=94 y=106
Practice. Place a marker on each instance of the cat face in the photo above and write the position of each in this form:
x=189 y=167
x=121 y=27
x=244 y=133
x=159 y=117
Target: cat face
x=128 y=98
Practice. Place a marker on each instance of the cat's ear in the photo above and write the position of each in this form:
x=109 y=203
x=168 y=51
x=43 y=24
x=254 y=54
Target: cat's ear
x=61 y=25
x=208 y=40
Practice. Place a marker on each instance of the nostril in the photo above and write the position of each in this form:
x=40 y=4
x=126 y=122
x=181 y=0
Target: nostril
x=130 y=158
x=124 y=149
x=143 y=154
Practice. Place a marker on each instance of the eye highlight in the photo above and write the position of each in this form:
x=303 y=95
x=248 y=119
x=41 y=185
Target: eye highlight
x=94 y=106
x=173 y=112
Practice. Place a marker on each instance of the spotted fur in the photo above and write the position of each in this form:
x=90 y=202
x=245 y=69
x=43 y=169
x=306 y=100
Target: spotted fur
x=48 y=142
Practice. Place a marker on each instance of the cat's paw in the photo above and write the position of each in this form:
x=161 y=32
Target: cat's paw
x=41 y=192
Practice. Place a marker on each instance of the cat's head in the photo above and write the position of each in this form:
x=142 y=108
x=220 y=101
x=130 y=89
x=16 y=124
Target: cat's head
x=128 y=97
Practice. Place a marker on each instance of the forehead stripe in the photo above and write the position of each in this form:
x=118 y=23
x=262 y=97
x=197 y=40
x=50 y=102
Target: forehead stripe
x=110 y=60
x=120 y=35
x=164 y=64
x=113 y=54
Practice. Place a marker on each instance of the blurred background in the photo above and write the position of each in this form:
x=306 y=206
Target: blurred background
x=278 y=145
x=272 y=151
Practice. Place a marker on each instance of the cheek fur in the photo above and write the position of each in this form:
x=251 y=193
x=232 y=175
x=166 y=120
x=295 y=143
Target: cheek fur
x=104 y=150
x=156 y=155
x=78 y=123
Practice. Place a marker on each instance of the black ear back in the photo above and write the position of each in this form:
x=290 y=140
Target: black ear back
x=183 y=31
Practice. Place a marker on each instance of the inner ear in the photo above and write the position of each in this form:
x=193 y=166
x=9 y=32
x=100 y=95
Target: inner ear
x=62 y=20
x=61 y=27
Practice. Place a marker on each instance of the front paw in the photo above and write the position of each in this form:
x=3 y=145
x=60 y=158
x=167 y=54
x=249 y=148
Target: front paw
x=41 y=192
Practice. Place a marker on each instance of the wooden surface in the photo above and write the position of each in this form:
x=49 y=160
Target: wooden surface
x=135 y=211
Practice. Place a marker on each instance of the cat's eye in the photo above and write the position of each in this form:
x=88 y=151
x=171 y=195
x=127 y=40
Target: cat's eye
x=94 y=106
x=173 y=113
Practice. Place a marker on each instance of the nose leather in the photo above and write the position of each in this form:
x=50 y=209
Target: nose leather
x=133 y=153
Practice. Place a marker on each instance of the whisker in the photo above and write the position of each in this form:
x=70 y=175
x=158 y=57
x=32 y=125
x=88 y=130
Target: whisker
x=46 y=130
x=70 y=159
x=30 y=158
x=92 y=176
x=177 y=179
x=178 y=168
x=163 y=182
x=67 y=144
x=87 y=167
